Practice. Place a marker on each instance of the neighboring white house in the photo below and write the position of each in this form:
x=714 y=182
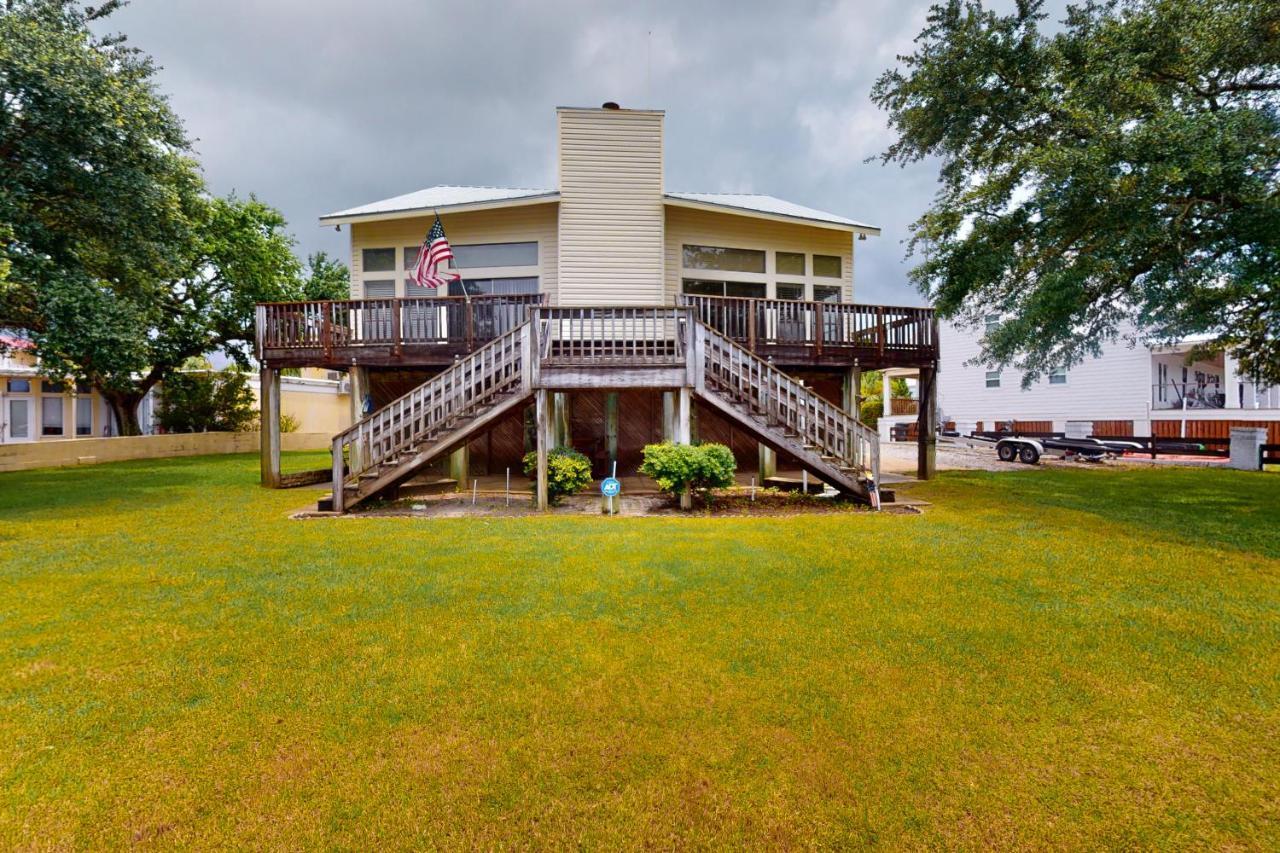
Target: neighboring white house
x=1128 y=390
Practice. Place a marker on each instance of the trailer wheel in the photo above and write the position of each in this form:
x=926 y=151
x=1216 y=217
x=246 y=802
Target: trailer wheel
x=1029 y=454
x=1007 y=452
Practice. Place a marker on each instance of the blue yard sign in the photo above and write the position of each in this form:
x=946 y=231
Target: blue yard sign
x=610 y=487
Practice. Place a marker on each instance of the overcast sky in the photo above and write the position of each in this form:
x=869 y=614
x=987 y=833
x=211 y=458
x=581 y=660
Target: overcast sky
x=318 y=105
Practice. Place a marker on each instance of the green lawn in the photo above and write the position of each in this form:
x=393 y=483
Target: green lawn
x=1066 y=658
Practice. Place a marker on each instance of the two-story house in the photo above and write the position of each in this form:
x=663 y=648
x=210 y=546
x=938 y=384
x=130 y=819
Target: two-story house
x=604 y=313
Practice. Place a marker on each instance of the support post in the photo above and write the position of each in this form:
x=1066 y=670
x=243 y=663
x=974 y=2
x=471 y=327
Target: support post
x=926 y=425
x=542 y=409
x=850 y=390
x=611 y=425
x=768 y=462
x=560 y=420
x=358 y=378
x=460 y=467
x=669 y=416
x=269 y=418
x=684 y=435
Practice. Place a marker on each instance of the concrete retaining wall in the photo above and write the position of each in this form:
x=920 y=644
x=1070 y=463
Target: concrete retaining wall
x=89 y=451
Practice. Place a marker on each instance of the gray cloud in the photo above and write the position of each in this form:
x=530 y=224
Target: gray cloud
x=316 y=105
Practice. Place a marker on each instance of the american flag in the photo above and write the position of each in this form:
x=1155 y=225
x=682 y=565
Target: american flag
x=435 y=250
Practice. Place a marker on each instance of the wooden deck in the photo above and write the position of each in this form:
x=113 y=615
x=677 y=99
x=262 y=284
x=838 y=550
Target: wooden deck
x=433 y=332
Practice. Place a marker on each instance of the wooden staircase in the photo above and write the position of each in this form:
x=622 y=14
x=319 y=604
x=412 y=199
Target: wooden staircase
x=397 y=441
x=782 y=413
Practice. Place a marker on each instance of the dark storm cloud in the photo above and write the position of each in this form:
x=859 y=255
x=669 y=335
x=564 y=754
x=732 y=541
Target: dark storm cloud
x=316 y=105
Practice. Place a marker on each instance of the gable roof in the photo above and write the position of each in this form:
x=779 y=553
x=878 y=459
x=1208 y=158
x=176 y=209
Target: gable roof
x=440 y=198
x=769 y=206
x=460 y=198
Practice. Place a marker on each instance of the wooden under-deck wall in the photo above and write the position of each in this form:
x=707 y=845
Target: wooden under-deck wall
x=1212 y=429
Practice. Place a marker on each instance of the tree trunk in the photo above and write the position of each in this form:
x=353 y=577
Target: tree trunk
x=125 y=408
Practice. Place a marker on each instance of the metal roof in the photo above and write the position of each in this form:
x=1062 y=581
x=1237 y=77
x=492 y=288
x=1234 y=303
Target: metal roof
x=456 y=197
x=767 y=204
x=433 y=198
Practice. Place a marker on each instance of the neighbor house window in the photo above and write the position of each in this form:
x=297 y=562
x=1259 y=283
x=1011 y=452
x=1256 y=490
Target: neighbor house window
x=47 y=387
x=1058 y=376
x=51 y=416
x=993 y=379
x=728 y=260
x=827 y=266
x=19 y=386
x=993 y=322
x=790 y=263
x=378 y=260
x=748 y=289
x=496 y=255
x=790 y=291
x=383 y=289
x=825 y=293
x=494 y=286
x=84 y=416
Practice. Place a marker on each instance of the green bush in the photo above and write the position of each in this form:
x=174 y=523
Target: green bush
x=678 y=468
x=207 y=401
x=568 y=472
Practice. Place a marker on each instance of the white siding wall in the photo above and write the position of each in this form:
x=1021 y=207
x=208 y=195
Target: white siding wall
x=523 y=223
x=698 y=227
x=1116 y=386
x=611 y=211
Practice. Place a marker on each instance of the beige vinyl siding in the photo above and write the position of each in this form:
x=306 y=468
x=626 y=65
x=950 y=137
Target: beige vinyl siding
x=611 y=210
x=524 y=223
x=706 y=228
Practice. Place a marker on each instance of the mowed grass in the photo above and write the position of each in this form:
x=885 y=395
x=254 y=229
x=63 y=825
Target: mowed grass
x=1049 y=658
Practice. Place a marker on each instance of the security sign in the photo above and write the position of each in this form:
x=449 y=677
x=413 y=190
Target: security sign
x=610 y=487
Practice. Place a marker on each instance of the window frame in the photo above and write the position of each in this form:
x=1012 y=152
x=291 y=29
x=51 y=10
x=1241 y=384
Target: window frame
x=46 y=430
x=993 y=375
x=1057 y=376
x=83 y=405
x=839 y=259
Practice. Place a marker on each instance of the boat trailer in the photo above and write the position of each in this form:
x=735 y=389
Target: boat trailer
x=1029 y=449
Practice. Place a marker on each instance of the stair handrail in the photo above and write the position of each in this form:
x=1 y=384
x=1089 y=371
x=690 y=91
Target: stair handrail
x=778 y=396
x=480 y=375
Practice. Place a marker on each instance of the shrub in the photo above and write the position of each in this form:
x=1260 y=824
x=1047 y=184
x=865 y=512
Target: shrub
x=288 y=423
x=678 y=468
x=206 y=401
x=568 y=472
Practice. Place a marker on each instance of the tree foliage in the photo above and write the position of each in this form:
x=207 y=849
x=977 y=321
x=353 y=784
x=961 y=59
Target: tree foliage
x=326 y=278
x=120 y=265
x=1119 y=172
x=207 y=401
x=678 y=468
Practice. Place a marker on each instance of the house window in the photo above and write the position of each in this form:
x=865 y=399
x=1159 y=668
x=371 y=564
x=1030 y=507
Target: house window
x=993 y=379
x=728 y=260
x=19 y=386
x=84 y=416
x=378 y=260
x=51 y=416
x=1058 y=376
x=825 y=293
x=383 y=289
x=519 y=286
x=746 y=289
x=496 y=255
x=827 y=266
x=992 y=322
x=790 y=263
x=790 y=291
x=47 y=387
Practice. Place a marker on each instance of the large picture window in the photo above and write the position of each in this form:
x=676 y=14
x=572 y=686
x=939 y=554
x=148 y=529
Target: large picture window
x=747 y=289
x=382 y=289
x=827 y=266
x=825 y=293
x=84 y=416
x=790 y=263
x=484 y=255
x=378 y=260
x=727 y=260
x=51 y=416
x=517 y=286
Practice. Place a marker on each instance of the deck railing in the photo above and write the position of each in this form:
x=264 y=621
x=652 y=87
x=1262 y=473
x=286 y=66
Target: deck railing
x=622 y=335
x=447 y=321
x=755 y=323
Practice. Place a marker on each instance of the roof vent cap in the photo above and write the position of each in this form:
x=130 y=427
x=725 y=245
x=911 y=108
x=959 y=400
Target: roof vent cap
x=610 y=105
